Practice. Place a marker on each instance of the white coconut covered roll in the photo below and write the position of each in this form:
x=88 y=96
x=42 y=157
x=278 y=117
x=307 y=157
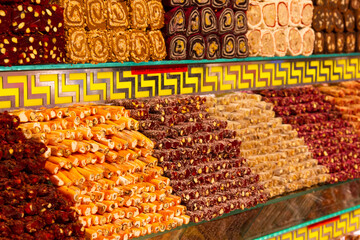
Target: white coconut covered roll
x=295 y=42
x=282 y=13
x=254 y=15
x=268 y=11
x=307 y=10
x=267 y=43
x=295 y=13
x=281 y=42
x=254 y=42
x=308 y=38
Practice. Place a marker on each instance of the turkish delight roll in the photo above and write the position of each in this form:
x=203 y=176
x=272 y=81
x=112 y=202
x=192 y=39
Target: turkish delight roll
x=240 y=22
x=139 y=14
x=340 y=42
x=119 y=43
x=282 y=13
x=25 y=18
x=176 y=46
x=157 y=44
x=307 y=10
x=240 y=4
x=98 y=46
x=339 y=21
x=242 y=47
x=193 y=19
x=308 y=38
x=96 y=14
x=355 y=4
x=196 y=47
x=176 y=3
x=118 y=14
x=343 y=5
x=350 y=42
x=329 y=20
x=253 y=37
x=208 y=21
x=77 y=46
x=267 y=43
x=318 y=22
x=295 y=8
x=228 y=48
x=220 y=3
x=269 y=12
x=212 y=47
x=175 y=21
x=225 y=20
x=139 y=46
x=349 y=19
x=330 y=42
x=200 y=3
x=281 y=43
x=74 y=13
x=254 y=15
x=295 y=41
x=156 y=15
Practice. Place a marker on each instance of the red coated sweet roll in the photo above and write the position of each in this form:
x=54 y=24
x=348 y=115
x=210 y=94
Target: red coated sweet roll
x=156 y=15
x=118 y=14
x=119 y=43
x=77 y=47
x=74 y=13
x=228 y=46
x=175 y=21
x=240 y=22
x=158 y=47
x=95 y=14
x=139 y=46
x=225 y=20
x=193 y=18
x=212 y=47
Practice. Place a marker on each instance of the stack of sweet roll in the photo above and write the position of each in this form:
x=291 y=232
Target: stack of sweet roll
x=31 y=207
x=272 y=149
x=281 y=27
x=207 y=29
x=336 y=23
x=332 y=141
x=101 y=31
x=31 y=32
x=199 y=155
x=106 y=169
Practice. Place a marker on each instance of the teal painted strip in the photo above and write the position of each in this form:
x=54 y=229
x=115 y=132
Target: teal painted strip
x=168 y=62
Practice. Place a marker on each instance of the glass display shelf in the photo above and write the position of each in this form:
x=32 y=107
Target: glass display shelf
x=277 y=216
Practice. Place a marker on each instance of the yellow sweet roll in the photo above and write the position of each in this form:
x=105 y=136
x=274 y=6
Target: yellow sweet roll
x=99 y=161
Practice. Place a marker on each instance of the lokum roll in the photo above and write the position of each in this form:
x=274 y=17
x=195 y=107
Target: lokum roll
x=175 y=21
x=225 y=20
x=157 y=45
x=52 y=20
x=220 y=3
x=282 y=13
x=355 y=4
x=96 y=14
x=281 y=43
x=329 y=20
x=307 y=10
x=318 y=22
x=208 y=21
x=5 y=19
x=349 y=19
x=200 y=3
x=196 y=47
x=193 y=18
x=175 y=3
x=98 y=46
x=119 y=43
x=253 y=37
x=228 y=47
x=213 y=47
x=240 y=22
x=76 y=46
x=295 y=41
x=74 y=15
x=339 y=21
x=343 y=5
x=269 y=14
x=25 y=18
x=118 y=14
x=156 y=15
x=330 y=42
x=350 y=42
x=308 y=38
x=139 y=14
x=240 y=4
x=295 y=8
x=176 y=46
x=139 y=46
x=340 y=42
x=267 y=43
x=254 y=15
x=242 y=47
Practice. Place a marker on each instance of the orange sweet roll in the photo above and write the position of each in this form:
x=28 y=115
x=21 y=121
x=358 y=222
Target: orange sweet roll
x=132 y=142
x=160 y=195
x=109 y=129
x=137 y=135
x=90 y=233
x=74 y=176
x=98 y=172
x=118 y=126
x=171 y=224
x=120 y=180
x=60 y=161
x=85 y=199
x=40 y=137
x=51 y=167
x=110 y=167
x=69 y=193
x=167 y=214
x=102 y=140
x=107 y=172
x=71 y=144
x=110 y=195
x=77 y=112
x=89 y=175
x=84 y=209
x=95 y=220
x=146 y=152
x=25 y=115
x=107 y=184
x=150 y=160
x=110 y=205
x=158 y=227
x=120 y=142
x=128 y=123
x=118 y=213
x=48 y=111
x=84 y=221
x=158 y=183
x=155 y=217
x=124 y=155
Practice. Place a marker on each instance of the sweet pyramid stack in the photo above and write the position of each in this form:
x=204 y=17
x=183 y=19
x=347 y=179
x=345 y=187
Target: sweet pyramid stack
x=199 y=155
x=272 y=149
x=104 y=167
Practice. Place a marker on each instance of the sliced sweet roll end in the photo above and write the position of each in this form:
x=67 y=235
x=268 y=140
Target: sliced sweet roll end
x=242 y=47
x=196 y=47
x=176 y=46
x=193 y=21
x=77 y=46
x=240 y=22
x=139 y=46
x=213 y=47
x=119 y=41
x=228 y=46
x=208 y=21
x=157 y=45
x=225 y=20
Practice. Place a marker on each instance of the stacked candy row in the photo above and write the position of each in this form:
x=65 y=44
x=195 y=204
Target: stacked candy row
x=272 y=149
x=104 y=167
x=199 y=155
